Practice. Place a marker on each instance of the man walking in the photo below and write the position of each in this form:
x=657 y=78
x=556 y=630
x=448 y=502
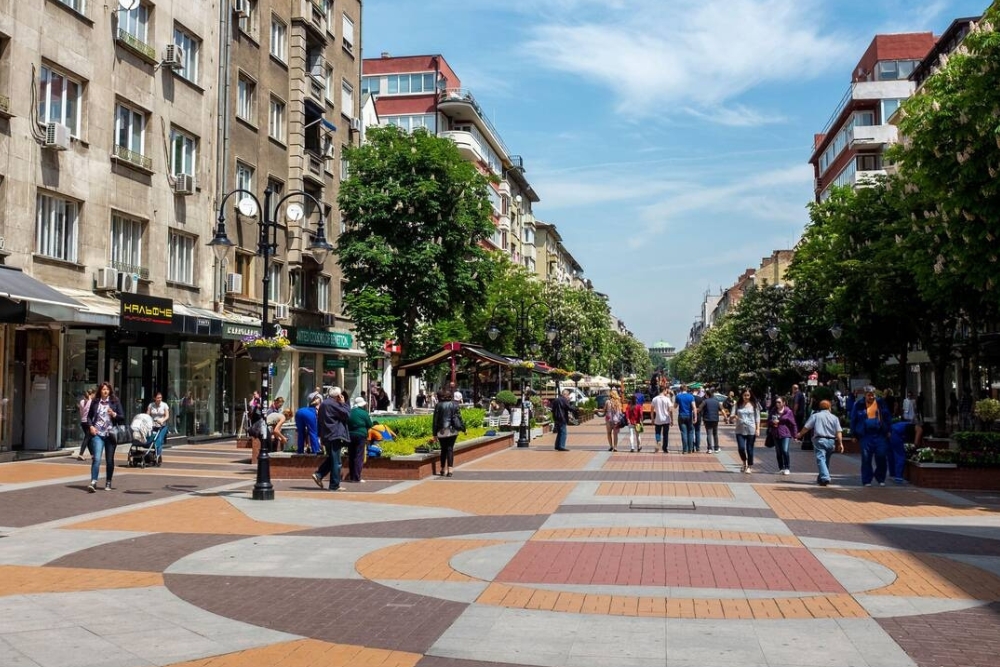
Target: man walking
x=687 y=417
x=662 y=407
x=709 y=413
x=332 y=420
x=798 y=406
x=561 y=408
x=699 y=399
x=827 y=438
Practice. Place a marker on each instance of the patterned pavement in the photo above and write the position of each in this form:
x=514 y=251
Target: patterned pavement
x=525 y=557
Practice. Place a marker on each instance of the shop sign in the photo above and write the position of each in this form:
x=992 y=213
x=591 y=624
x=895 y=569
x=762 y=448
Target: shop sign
x=318 y=338
x=333 y=364
x=146 y=313
x=239 y=331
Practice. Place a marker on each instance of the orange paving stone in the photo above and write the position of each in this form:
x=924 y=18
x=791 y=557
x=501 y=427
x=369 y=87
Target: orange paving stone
x=24 y=580
x=679 y=489
x=420 y=560
x=642 y=533
x=196 y=515
x=477 y=498
x=856 y=505
x=817 y=606
x=924 y=575
x=28 y=471
x=533 y=459
x=628 y=462
x=308 y=653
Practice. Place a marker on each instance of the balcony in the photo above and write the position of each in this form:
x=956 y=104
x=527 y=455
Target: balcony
x=873 y=136
x=868 y=90
x=467 y=145
x=123 y=154
x=864 y=179
x=133 y=43
x=529 y=251
x=504 y=223
x=141 y=271
x=461 y=101
x=312 y=14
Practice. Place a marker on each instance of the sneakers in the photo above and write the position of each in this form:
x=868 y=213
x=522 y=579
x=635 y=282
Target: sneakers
x=319 y=480
x=749 y=469
x=716 y=450
x=824 y=482
x=107 y=487
x=786 y=471
x=868 y=484
x=93 y=487
x=881 y=483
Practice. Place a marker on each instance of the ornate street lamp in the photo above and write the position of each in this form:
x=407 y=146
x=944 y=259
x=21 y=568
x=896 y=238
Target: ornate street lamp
x=267 y=246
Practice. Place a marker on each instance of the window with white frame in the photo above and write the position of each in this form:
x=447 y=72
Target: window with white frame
x=59 y=99
x=180 y=260
x=244 y=177
x=346 y=98
x=329 y=83
x=409 y=84
x=323 y=294
x=342 y=308
x=279 y=39
x=130 y=129
x=371 y=84
x=79 y=6
x=343 y=223
x=126 y=243
x=248 y=23
x=277 y=187
x=246 y=91
x=412 y=122
x=189 y=45
x=297 y=283
x=276 y=120
x=135 y=21
x=56 y=227
x=348 y=29
x=183 y=153
x=274 y=286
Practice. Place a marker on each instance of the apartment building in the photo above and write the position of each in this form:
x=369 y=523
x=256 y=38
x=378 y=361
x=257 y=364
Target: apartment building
x=425 y=92
x=849 y=149
x=555 y=263
x=134 y=119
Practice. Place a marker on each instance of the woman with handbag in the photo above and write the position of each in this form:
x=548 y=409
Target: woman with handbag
x=447 y=423
x=633 y=414
x=105 y=414
x=614 y=420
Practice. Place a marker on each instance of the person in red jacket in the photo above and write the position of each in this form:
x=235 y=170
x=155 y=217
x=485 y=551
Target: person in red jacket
x=634 y=415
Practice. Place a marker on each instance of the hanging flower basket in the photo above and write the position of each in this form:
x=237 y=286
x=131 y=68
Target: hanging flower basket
x=265 y=350
x=264 y=355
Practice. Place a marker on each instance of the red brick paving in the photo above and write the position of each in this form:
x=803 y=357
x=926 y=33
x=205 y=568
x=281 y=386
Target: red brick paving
x=967 y=638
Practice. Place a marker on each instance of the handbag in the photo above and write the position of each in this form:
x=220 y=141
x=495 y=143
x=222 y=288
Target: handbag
x=622 y=421
x=769 y=440
x=119 y=434
x=457 y=423
x=638 y=427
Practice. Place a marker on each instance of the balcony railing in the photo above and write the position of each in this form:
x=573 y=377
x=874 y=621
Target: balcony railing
x=138 y=159
x=4 y=104
x=141 y=271
x=463 y=95
x=136 y=44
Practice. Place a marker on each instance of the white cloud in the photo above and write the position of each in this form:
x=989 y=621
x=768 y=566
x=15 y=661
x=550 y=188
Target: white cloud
x=693 y=56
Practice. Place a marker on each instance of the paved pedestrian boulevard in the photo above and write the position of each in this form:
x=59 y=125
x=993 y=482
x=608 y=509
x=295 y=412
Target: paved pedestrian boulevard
x=525 y=557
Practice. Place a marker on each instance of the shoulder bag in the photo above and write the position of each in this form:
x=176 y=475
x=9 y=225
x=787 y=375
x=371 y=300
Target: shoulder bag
x=457 y=423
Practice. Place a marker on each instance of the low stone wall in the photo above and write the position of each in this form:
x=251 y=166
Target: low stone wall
x=950 y=476
x=416 y=466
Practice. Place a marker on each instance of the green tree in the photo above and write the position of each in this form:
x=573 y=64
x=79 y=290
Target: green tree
x=416 y=215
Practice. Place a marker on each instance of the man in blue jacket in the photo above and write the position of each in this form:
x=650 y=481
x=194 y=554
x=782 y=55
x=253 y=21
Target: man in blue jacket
x=687 y=416
x=333 y=433
x=870 y=424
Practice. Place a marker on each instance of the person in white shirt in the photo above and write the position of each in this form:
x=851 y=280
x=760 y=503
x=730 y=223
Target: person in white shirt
x=663 y=406
x=909 y=408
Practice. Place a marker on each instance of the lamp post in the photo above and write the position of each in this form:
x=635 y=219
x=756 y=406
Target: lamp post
x=267 y=246
x=523 y=312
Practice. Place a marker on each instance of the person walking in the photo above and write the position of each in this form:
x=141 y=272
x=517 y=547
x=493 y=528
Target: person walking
x=306 y=426
x=633 y=414
x=828 y=437
x=781 y=427
x=84 y=407
x=613 y=418
x=797 y=403
x=699 y=399
x=747 y=417
x=561 y=409
x=105 y=410
x=447 y=423
x=159 y=411
x=332 y=422
x=663 y=407
x=710 y=412
x=870 y=424
x=358 y=423
x=909 y=408
x=687 y=416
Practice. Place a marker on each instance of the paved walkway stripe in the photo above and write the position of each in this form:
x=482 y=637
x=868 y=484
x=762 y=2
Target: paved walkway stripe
x=926 y=575
x=650 y=533
x=308 y=653
x=420 y=560
x=679 y=489
x=852 y=505
x=24 y=580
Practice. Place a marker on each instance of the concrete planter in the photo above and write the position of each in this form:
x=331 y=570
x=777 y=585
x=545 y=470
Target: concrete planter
x=951 y=476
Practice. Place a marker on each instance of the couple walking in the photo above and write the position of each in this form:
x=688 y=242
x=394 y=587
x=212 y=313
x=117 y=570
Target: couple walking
x=339 y=427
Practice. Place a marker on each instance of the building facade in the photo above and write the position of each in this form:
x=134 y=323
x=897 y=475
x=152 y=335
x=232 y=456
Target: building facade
x=555 y=263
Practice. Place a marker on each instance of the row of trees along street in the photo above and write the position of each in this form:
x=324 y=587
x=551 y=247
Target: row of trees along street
x=416 y=268
x=911 y=261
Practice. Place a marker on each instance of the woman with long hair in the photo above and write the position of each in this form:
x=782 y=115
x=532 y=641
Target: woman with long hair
x=781 y=428
x=84 y=407
x=634 y=415
x=747 y=418
x=613 y=414
x=445 y=428
x=105 y=411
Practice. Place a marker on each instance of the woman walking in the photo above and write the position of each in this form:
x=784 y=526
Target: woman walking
x=613 y=415
x=104 y=411
x=160 y=413
x=781 y=427
x=358 y=423
x=747 y=417
x=446 y=428
x=84 y=406
x=634 y=416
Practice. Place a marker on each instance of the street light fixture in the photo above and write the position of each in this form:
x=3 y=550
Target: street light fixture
x=836 y=331
x=267 y=246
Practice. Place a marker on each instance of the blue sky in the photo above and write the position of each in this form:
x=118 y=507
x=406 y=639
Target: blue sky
x=668 y=139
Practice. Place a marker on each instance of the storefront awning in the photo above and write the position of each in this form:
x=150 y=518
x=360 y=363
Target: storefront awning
x=88 y=309
x=468 y=350
x=17 y=285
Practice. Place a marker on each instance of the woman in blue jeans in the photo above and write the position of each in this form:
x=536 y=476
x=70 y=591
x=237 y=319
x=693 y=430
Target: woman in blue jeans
x=747 y=419
x=870 y=423
x=105 y=410
x=781 y=427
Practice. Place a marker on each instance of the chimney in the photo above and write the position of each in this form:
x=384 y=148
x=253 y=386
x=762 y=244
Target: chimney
x=386 y=54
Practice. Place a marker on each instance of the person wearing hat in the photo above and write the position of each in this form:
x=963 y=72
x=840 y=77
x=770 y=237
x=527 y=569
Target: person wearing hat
x=358 y=423
x=306 y=427
x=870 y=424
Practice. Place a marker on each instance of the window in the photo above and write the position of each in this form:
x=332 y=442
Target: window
x=279 y=39
x=126 y=244
x=244 y=177
x=889 y=107
x=346 y=98
x=190 y=45
x=130 y=134
x=248 y=24
x=246 y=90
x=371 y=84
x=410 y=123
x=183 y=153
x=869 y=162
x=323 y=293
x=276 y=120
x=864 y=118
x=134 y=21
x=297 y=281
x=410 y=84
x=56 y=227
x=180 y=267
x=76 y=5
x=59 y=100
x=274 y=286
x=345 y=166
x=328 y=83
x=245 y=267
x=348 y=28
x=277 y=187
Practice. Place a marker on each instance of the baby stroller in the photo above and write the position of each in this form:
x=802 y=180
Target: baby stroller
x=142 y=453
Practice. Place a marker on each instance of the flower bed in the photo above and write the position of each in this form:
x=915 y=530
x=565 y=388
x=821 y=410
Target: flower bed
x=974 y=465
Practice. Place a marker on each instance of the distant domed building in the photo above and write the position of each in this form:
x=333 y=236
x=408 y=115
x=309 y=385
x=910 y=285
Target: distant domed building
x=664 y=348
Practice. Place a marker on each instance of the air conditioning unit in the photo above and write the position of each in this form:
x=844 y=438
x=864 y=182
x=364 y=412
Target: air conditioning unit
x=356 y=124
x=174 y=57
x=242 y=8
x=183 y=184
x=328 y=150
x=329 y=320
x=317 y=67
x=234 y=283
x=128 y=282
x=106 y=279
x=281 y=311
x=56 y=136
